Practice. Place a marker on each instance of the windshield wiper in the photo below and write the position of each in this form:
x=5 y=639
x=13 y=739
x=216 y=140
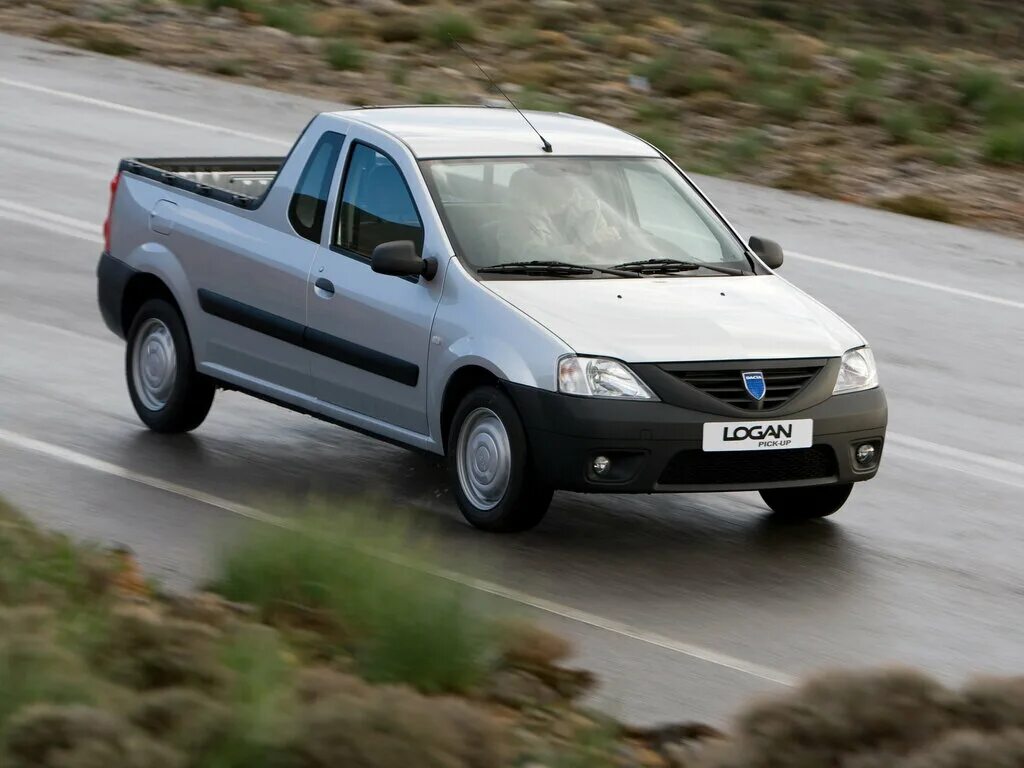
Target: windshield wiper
x=668 y=266
x=553 y=268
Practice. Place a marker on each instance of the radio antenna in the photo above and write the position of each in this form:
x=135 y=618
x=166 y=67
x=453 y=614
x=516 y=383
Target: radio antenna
x=545 y=144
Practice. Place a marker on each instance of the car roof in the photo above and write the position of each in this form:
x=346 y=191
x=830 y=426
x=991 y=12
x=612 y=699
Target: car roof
x=451 y=131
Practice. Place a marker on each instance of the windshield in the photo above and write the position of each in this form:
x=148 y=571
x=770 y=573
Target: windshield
x=579 y=211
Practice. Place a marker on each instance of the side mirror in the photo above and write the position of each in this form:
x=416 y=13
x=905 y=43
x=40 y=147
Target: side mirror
x=769 y=251
x=399 y=258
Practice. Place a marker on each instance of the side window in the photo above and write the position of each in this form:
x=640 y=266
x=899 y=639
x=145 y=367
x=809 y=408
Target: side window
x=376 y=206
x=309 y=202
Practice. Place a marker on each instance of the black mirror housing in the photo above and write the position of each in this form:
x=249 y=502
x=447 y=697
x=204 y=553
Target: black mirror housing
x=399 y=258
x=769 y=251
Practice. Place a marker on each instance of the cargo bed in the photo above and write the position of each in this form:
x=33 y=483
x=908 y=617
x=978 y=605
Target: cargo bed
x=240 y=181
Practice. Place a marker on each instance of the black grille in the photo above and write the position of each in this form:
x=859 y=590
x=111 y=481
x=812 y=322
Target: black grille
x=696 y=467
x=781 y=384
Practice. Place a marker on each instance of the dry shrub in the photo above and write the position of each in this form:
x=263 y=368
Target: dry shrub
x=881 y=719
x=969 y=749
x=992 y=703
x=400 y=27
x=836 y=716
x=529 y=645
x=623 y=46
x=920 y=206
x=342 y=22
x=344 y=722
x=146 y=649
x=46 y=736
x=183 y=717
x=41 y=567
x=34 y=668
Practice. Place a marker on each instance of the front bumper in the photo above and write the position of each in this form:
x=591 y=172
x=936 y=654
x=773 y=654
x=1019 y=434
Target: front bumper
x=655 y=447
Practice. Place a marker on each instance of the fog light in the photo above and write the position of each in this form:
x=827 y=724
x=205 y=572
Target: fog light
x=601 y=465
x=865 y=454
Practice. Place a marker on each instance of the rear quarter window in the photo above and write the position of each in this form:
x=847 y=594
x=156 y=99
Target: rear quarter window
x=308 y=205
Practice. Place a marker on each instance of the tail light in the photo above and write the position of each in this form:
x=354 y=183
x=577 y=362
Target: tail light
x=110 y=211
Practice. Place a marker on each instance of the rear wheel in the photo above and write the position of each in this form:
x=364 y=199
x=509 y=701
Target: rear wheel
x=490 y=467
x=168 y=393
x=796 y=504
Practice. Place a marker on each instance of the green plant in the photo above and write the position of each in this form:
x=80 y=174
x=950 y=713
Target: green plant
x=1004 y=145
x=739 y=42
x=431 y=97
x=862 y=104
x=1004 y=106
x=782 y=102
x=238 y=5
x=743 y=150
x=34 y=668
x=903 y=124
x=228 y=67
x=291 y=17
x=869 y=64
x=344 y=55
x=401 y=625
x=108 y=44
x=449 y=27
x=976 y=86
x=919 y=206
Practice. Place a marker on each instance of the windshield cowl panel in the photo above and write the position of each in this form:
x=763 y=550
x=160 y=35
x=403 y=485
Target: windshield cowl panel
x=587 y=212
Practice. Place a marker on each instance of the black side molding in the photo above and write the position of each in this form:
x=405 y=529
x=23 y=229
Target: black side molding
x=255 y=319
x=318 y=342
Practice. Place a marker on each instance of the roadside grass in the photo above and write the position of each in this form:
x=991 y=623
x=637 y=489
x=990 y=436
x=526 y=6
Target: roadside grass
x=339 y=575
x=107 y=43
x=447 y=27
x=869 y=64
x=290 y=17
x=921 y=206
x=344 y=55
x=1004 y=145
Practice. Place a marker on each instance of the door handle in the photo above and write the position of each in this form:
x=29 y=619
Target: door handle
x=323 y=288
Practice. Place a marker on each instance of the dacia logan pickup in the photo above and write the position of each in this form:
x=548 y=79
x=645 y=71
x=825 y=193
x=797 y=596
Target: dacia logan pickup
x=559 y=313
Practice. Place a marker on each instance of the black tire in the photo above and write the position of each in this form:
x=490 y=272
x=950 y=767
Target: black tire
x=525 y=498
x=189 y=394
x=797 y=504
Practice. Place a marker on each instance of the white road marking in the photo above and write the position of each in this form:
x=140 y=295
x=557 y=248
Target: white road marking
x=37 y=217
x=916 y=282
x=977 y=465
x=66 y=455
x=141 y=112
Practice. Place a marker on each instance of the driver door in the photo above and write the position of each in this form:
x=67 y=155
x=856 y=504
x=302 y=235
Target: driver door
x=370 y=332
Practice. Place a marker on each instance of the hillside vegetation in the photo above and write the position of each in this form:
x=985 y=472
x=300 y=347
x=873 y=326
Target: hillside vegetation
x=916 y=106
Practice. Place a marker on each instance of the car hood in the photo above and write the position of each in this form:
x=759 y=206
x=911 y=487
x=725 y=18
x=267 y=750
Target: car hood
x=685 y=319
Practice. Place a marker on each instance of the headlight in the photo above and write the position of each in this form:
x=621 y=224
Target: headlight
x=600 y=377
x=857 y=371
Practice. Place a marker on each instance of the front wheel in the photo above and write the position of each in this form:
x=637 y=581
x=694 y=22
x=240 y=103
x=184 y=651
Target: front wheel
x=490 y=467
x=796 y=504
x=168 y=393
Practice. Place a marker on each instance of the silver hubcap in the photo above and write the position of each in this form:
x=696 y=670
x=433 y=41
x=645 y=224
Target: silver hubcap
x=484 y=458
x=154 y=364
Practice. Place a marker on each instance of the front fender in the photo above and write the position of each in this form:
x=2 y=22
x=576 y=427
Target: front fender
x=475 y=327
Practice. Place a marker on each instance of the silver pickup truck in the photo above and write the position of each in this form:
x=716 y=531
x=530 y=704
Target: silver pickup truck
x=565 y=311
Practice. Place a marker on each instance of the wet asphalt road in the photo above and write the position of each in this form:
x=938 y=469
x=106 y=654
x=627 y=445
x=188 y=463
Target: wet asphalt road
x=685 y=605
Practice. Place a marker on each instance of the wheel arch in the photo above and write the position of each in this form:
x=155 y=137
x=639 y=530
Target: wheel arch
x=461 y=382
x=142 y=287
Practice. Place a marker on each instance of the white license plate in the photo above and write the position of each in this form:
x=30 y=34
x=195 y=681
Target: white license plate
x=758 y=435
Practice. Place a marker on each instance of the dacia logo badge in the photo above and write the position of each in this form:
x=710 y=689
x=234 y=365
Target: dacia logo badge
x=753 y=382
